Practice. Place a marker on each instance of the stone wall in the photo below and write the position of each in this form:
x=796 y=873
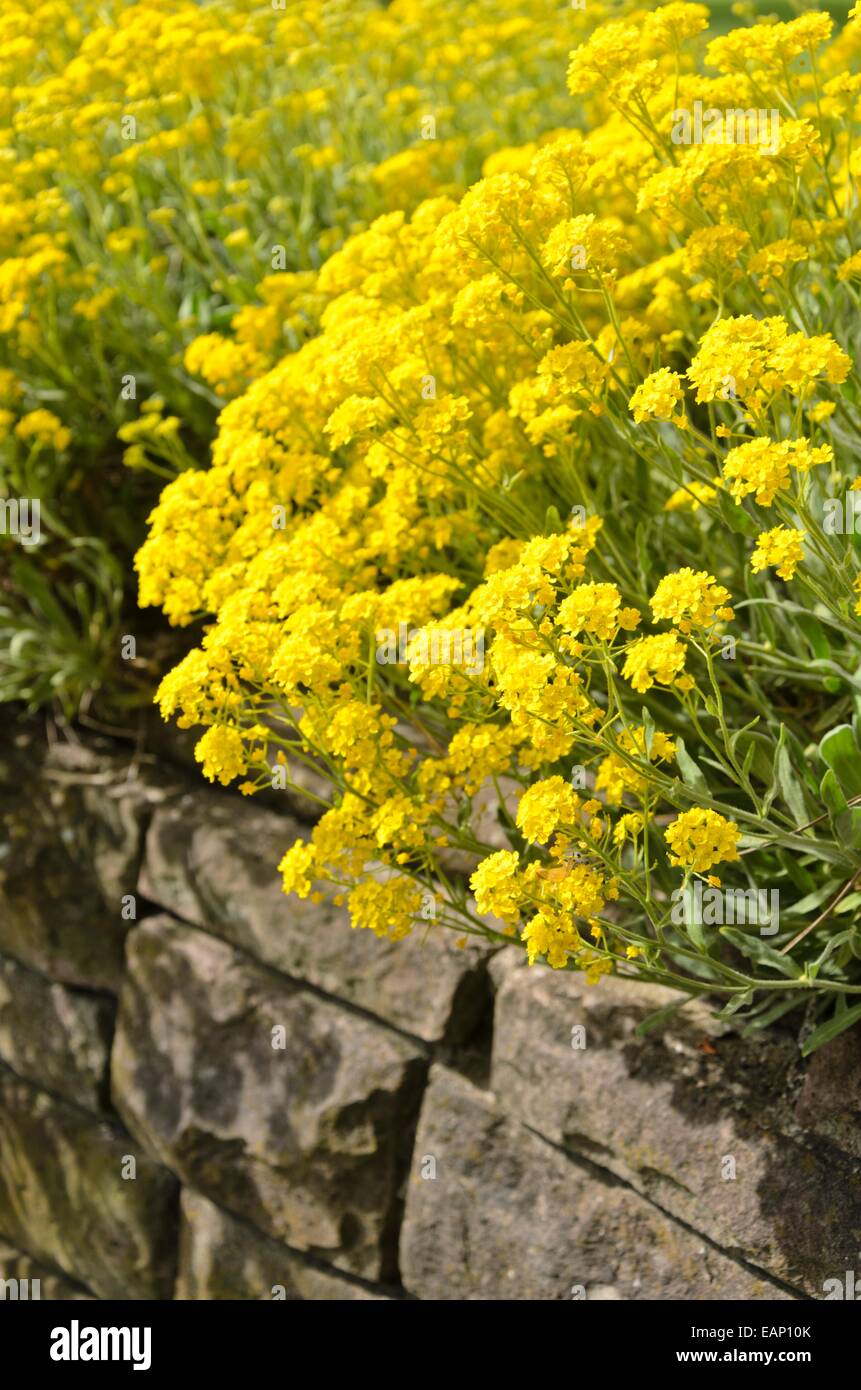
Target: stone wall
x=209 y=1092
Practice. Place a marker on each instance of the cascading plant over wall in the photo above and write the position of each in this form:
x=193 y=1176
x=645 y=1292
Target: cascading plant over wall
x=543 y=551
x=173 y=173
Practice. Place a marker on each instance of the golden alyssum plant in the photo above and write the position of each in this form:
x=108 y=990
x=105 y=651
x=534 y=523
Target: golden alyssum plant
x=543 y=550
x=173 y=174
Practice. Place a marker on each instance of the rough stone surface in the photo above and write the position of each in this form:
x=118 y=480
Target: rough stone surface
x=829 y=1104
x=212 y=860
x=508 y=1216
x=309 y=1141
x=64 y=1199
x=692 y=1115
x=686 y=1164
x=222 y=1258
x=56 y=1037
x=70 y=845
x=42 y=1283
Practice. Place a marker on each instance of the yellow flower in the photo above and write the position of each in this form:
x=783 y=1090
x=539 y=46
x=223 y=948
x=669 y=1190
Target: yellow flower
x=584 y=243
x=222 y=753
x=658 y=659
x=850 y=269
x=628 y=827
x=579 y=892
x=297 y=868
x=496 y=886
x=761 y=467
x=700 y=838
x=691 y=600
x=596 y=609
x=612 y=49
x=389 y=909
x=781 y=548
x=546 y=805
x=772 y=261
x=669 y=25
x=691 y=496
x=658 y=397
x=746 y=357
x=615 y=775
x=43 y=427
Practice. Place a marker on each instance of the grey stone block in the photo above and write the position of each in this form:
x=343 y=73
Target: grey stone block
x=56 y=1037
x=63 y=1196
x=693 y=1115
x=71 y=835
x=307 y=1142
x=508 y=1216
x=222 y=1258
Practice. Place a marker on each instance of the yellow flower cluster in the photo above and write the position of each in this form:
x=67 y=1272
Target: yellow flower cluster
x=701 y=838
x=173 y=175
x=487 y=550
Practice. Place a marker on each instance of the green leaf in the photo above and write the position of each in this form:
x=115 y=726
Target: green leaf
x=826 y=1032
x=833 y=944
x=644 y=563
x=740 y=732
x=748 y=760
x=691 y=774
x=787 y=782
x=649 y=730
x=832 y=683
x=692 y=921
x=832 y=796
x=814 y=900
x=738 y=1001
x=661 y=1016
x=803 y=879
x=761 y=756
x=761 y=953
x=816 y=636
x=848 y=828
x=840 y=753
x=764 y=1020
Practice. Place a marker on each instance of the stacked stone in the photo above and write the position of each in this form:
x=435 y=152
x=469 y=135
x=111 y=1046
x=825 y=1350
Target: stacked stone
x=210 y=1091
